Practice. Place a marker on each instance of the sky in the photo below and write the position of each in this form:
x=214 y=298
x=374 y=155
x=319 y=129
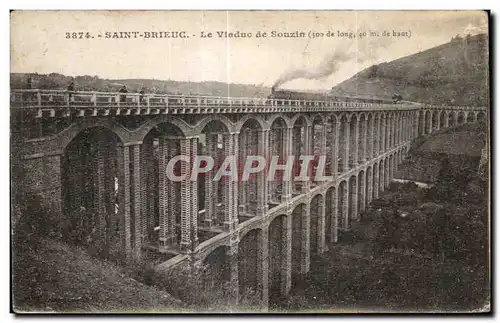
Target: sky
x=39 y=43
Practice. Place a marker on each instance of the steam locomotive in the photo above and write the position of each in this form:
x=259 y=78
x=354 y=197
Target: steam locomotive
x=314 y=96
x=294 y=95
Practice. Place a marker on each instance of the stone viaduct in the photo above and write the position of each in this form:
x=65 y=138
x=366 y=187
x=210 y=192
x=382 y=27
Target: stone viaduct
x=97 y=160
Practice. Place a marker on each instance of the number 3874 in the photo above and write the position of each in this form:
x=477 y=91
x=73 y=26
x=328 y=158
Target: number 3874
x=78 y=35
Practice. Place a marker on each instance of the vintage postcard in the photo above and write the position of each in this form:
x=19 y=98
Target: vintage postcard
x=250 y=161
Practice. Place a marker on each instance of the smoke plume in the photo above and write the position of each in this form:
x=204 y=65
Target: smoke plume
x=329 y=65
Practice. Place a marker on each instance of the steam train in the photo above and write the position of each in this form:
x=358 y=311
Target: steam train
x=315 y=96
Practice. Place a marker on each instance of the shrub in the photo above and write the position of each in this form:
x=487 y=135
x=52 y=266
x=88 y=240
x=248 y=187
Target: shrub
x=35 y=222
x=141 y=270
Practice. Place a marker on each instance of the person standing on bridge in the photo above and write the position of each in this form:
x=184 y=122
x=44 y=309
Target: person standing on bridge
x=142 y=95
x=123 y=97
x=31 y=96
x=70 y=89
x=29 y=83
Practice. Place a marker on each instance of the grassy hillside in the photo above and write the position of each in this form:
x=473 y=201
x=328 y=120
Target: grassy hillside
x=94 y=83
x=459 y=146
x=453 y=73
x=466 y=140
x=50 y=275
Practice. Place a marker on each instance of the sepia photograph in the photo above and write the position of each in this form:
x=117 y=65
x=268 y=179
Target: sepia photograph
x=250 y=161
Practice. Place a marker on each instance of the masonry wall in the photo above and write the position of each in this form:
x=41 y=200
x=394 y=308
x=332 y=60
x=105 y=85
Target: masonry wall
x=41 y=179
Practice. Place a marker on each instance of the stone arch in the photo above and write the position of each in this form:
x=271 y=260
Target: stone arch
x=442 y=119
x=362 y=142
x=184 y=128
x=344 y=117
x=391 y=168
x=384 y=128
x=249 y=138
x=381 y=175
x=263 y=124
x=353 y=198
x=361 y=191
x=394 y=129
x=481 y=116
x=307 y=121
x=354 y=140
x=226 y=123
x=159 y=145
x=362 y=114
x=279 y=118
x=278 y=133
x=300 y=222
x=452 y=118
x=277 y=256
x=353 y=115
x=252 y=123
x=371 y=136
x=421 y=122
x=332 y=142
x=332 y=118
x=405 y=126
x=397 y=137
x=318 y=146
x=301 y=145
x=344 y=138
x=331 y=215
x=249 y=263
x=470 y=117
x=92 y=183
x=317 y=223
x=375 y=181
x=401 y=128
x=386 y=171
x=389 y=130
x=343 y=205
x=65 y=137
x=318 y=116
x=371 y=114
x=461 y=118
x=410 y=132
x=315 y=194
x=434 y=118
x=395 y=120
x=273 y=216
x=216 y=124
x=216 y=273
x=380 y=132
x=413 y=132
x=369 y=185
x=427 y=122
x=217 y=141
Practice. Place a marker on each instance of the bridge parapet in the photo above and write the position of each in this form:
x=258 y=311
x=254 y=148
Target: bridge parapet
x=449 y=107
x=63 y=103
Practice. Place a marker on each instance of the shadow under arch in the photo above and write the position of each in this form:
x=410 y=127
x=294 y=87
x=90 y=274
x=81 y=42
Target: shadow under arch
x=92 y=179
